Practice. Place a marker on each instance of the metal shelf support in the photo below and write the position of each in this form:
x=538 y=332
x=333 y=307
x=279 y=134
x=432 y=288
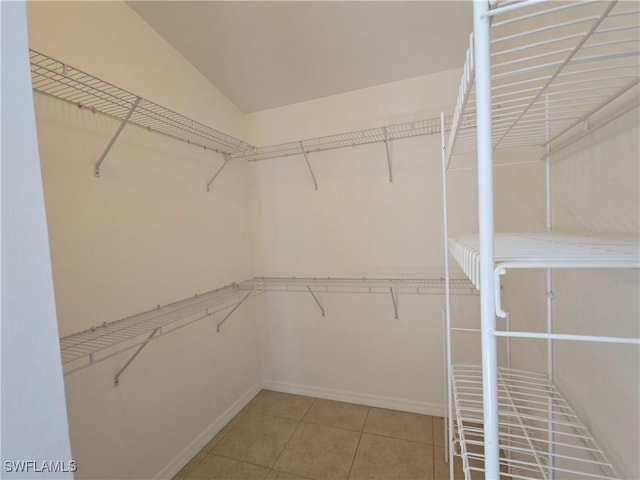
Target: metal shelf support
x=316 y=299
x=394 y=299
x=306 y=159
x=96 y=168
x=237 y=305
x=388 y=150
x=116 y=379
x=227 y=157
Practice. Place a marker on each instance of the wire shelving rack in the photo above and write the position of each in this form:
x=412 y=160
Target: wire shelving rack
x=548 y=77
x=384 y=134
x=99 y=343
x=56 y=79
x=546 y=74
x=526 y=434
x=53 y=78
x=419 y=286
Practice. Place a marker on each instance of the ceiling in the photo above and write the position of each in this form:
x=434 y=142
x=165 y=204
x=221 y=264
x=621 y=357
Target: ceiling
x=266 y=54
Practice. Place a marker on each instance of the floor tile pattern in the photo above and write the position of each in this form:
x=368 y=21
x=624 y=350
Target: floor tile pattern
x=279 y=436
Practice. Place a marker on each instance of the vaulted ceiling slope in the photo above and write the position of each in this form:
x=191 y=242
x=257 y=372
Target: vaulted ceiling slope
x=266 y=54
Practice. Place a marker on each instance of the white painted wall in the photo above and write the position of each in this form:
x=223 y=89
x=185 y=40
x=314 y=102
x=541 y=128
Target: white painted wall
x=358 y=224
x=596 y=190
x=34 y=418
x=595 y=186
x=119 y=244
x=145 y=233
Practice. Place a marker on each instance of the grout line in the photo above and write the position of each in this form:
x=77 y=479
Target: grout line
x=283 y=471
x=239 y=461
x=433 y=460
x=401 y=439
x=192 y=469
x=355 y=454
x=313 y=400
x=364 y=424
x=286 y=445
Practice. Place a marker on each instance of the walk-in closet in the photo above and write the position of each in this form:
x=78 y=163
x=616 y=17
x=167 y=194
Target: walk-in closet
x=321 y=240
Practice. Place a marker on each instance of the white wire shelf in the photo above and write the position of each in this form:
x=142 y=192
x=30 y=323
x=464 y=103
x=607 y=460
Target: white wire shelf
x=55 y=79
x=101 y=342
x=343 y=140
x=420 y=286
x=540 y=437
x=552 y=67
x=546 y=250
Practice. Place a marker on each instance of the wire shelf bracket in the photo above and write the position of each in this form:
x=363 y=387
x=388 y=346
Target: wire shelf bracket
x=388 y=150
x=96 y=169
x=316 y=300
x=394 y=299
x=227 y=157
x=306 y=159
x=116 y=378
x=237 y=305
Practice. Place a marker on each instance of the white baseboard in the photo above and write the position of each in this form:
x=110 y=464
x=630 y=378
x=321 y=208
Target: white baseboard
x=403 y=405
x=207 y=434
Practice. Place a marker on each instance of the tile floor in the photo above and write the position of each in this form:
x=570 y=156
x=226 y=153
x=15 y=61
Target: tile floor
x=279 y=436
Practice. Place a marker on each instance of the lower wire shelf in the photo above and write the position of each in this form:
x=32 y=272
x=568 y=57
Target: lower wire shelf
x=88 y=347
x=540 y=437
x=91 y=346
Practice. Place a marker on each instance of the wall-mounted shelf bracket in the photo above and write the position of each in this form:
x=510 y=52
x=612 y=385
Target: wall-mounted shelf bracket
x=388 y=149
x=394 y=299
x=306 y=159
x=227 y=157
x=96 y=168
x=237 y=305
x=316 y=299
x=116 y=379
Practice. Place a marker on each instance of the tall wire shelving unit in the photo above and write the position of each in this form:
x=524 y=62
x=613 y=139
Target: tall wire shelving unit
x=536 y=74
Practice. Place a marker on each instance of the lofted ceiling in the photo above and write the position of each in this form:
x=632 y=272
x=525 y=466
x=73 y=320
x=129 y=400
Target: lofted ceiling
x=266 y=54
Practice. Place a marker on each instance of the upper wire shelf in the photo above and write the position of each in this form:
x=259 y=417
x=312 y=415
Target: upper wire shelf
x=421 y=286
x=55 y=79
x=540 y=437
x=342 y=140
x=553 y=66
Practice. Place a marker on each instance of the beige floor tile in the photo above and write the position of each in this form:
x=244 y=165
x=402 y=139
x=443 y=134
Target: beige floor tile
x=190 y=466
x=383 y=458
x=337 y=414
x=441 y=467
x=402 y=425
x=257 y=439
x=213 y=443
x=220 y=468
x=438 y=431
x=282 y=405
x=319 y=452
x=276 y=475
x=253 y=401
